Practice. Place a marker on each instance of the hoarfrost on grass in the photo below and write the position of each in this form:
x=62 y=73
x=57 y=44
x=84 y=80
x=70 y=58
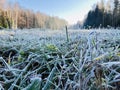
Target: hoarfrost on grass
x=88 y=61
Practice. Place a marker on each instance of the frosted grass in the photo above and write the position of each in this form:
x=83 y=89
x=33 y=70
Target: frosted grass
x=89 y=61
x=35 y=37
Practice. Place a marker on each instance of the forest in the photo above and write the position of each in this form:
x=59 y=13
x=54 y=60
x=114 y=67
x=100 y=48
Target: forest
x=104 y=15
x=13 y=16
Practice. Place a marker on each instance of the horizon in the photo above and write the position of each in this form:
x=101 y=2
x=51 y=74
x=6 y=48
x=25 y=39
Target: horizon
x=71 y=11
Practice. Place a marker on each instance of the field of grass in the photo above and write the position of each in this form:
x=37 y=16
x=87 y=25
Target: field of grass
x=52 y=60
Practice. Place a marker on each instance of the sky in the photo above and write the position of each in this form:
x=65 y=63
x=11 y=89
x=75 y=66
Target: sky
x=70 y=10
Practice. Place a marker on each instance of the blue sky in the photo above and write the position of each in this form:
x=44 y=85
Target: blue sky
x=70 y=10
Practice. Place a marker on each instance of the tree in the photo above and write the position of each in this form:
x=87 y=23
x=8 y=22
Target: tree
x=14 y=16
x=94 y=18
x=103 y=15
x=115 y=12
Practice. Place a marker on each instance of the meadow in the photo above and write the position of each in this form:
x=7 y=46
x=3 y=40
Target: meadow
x=60 y=60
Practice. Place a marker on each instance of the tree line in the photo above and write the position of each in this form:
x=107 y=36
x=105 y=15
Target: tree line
x=104 y=15
x=13 y=16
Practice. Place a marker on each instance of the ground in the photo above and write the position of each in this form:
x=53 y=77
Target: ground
x=48 y=59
